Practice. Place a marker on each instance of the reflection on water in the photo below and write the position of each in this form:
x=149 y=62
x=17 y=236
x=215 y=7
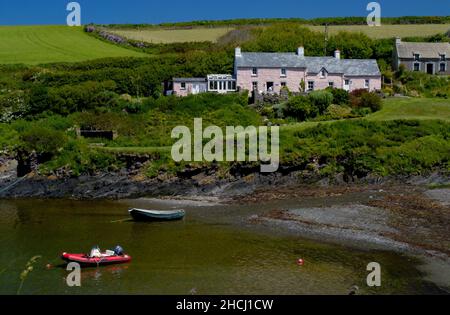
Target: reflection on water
x=211 y=251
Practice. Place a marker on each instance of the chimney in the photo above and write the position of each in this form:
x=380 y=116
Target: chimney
x=398 y=40
x=301 y=51
x=238 y=52
x=337 y=54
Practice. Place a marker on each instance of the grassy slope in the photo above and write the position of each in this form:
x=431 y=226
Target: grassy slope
x=398 y=108
x=196 y=34
x=389 y=31
x=413 y=108
x=393 y=108
x=158 y=36
x=48 y=44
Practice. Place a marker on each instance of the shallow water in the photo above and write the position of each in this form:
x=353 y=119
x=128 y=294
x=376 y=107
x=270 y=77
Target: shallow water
x=214 y=250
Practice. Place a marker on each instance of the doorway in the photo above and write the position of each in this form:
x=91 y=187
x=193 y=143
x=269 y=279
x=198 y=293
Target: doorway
x=430 y=68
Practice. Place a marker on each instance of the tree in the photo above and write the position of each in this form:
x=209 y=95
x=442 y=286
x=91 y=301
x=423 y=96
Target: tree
x=352 y=45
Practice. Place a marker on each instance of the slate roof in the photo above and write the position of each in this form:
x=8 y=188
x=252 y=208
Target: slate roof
x=426 y=50
x=189 y=80
x=350 y=67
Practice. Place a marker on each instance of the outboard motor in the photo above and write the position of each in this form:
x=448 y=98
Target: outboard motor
x=118 y=250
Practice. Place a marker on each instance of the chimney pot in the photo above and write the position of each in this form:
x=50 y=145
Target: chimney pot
x=337 y=54
x=301 y=51
x=238 y=52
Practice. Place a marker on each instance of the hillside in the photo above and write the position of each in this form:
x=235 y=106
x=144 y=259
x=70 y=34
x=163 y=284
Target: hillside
x=212 y=34
x=48 y=44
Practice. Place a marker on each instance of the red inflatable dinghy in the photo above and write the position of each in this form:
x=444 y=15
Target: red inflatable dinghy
x=87 y=261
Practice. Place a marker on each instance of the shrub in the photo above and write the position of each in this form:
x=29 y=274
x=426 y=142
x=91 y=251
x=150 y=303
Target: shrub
x=321 y=99
x=340 y=96
x=300 y=108
x=338 y=112
x=43 y=140
x=372 y=101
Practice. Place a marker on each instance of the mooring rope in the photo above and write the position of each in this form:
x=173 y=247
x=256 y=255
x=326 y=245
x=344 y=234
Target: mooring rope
x=13 y=184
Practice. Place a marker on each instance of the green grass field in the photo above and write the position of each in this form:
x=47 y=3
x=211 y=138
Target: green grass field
x=397 y=108
x=389 y=31
x=197 y=34
x=165 y=36
x=413 y=108
x=48 y=44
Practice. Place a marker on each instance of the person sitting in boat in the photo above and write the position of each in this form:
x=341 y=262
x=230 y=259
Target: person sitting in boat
x=95 y=252
x=118 y=250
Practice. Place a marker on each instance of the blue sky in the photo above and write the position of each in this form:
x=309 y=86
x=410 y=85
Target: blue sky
x=17 y=12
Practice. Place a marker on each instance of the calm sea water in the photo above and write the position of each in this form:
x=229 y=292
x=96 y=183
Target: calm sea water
x=214 y=250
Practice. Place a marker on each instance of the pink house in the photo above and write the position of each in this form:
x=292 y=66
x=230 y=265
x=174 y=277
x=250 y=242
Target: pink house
x=270 y=72
x=187 y=86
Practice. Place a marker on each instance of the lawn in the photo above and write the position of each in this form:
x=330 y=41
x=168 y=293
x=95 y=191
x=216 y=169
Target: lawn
x=413 y=108
x=389 y=31
x=396 y=108
x=48 y=44
x=164 y=36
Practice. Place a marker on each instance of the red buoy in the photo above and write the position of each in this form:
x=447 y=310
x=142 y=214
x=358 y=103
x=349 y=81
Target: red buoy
x=300 y=262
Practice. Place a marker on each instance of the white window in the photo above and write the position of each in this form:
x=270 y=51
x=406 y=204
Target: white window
x=416 y=57
x=323 y=74
x=366 y=84
x=331 y=84
x=310 y=85
x=347 y=82
x=416 y=66
x=442 y=67
x=283 y=72
x=183 y=85
x=255 y=71
x=255 y=86
x=443 y=57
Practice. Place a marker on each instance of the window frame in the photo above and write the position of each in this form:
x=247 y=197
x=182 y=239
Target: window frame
x=313 y=86
x=414 y=66
x=183 y=86
x=416 y=57
x=283 y=73
x=440 y=67
x=367 y=83
x=254 y=72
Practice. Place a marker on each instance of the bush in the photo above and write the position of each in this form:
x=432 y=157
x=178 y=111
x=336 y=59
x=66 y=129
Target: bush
x=338 y=112
x=340 y=96
x=364 y=99
x=372 y=101
x=300 y=108
x=43 y=140
x=321 y=99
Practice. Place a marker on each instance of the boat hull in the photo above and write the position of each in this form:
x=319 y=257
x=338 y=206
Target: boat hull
x=148 y=215
x=86 y=261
